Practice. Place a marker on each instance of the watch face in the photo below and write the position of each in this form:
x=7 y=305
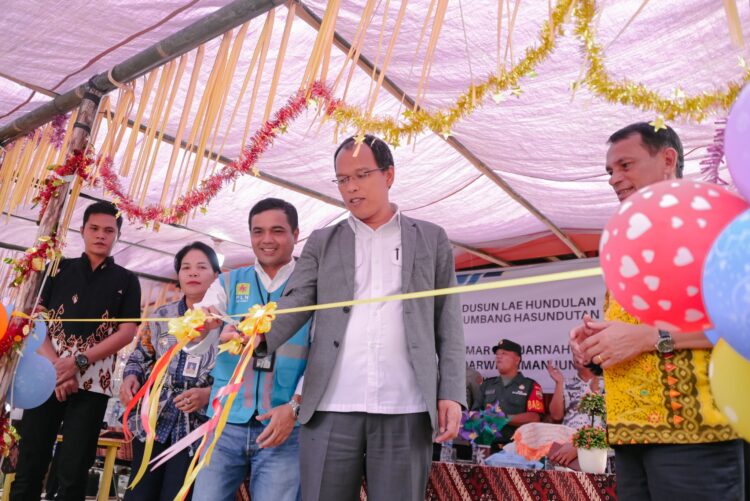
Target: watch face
x=665 y=345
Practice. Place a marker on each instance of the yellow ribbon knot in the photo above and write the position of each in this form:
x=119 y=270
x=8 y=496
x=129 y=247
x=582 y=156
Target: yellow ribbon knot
x=186 y=327
x=257 y=321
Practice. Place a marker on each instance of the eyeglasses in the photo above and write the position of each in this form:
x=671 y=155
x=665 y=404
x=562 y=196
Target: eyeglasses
x=360 y=176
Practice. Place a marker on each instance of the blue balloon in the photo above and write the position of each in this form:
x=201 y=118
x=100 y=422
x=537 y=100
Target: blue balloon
x=36 y=337
x=713 y=335
x=34 y=382
x=726 y=284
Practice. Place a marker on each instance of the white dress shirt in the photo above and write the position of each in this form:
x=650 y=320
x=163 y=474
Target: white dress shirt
x=216 y=295
x=271 y=284
x=373 y=372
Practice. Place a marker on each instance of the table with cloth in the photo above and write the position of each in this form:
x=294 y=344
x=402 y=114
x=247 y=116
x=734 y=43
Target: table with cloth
x=454 y=481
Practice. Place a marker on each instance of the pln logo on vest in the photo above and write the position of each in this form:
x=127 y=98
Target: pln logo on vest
x=242 y=292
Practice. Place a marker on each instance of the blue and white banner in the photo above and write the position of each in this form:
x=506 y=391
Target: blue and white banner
x=538 y=317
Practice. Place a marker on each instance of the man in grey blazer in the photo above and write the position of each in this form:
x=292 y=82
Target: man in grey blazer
x=382 y=379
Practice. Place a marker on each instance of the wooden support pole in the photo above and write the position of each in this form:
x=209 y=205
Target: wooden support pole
x=29 y=289
x=87 y=98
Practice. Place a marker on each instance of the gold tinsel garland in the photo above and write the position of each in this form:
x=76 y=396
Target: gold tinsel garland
x=397 y=129
x=694 y=108
x=500 y=86
x=634 y=94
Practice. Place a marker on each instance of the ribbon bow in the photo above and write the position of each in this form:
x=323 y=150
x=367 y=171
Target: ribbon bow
x=184 y=329
x=187 y=326
x=257 y=321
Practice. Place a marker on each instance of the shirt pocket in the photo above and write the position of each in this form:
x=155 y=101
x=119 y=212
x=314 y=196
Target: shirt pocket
x=518 y=403
x=490 y=396
x=395 y=265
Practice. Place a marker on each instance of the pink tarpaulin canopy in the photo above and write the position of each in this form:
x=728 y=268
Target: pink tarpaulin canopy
x=548 y=144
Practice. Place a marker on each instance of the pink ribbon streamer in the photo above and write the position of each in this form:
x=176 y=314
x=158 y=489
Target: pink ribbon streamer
x=204 y=429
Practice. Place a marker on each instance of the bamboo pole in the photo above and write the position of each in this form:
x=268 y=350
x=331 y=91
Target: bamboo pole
x=185 y=40
x=29 y=289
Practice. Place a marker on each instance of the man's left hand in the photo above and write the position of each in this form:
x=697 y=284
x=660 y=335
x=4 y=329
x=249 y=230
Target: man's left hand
x=278 y=430
x=617 y=342
x=449 y=419
x=65 y=368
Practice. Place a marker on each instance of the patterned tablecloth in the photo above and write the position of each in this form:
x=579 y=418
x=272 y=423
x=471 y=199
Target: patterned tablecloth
x=450 y=481
x=453 y=482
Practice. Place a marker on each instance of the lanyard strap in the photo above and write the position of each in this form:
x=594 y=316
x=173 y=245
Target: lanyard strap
x=267 y=299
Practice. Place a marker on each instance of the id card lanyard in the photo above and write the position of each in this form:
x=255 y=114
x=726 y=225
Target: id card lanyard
x=264 y=364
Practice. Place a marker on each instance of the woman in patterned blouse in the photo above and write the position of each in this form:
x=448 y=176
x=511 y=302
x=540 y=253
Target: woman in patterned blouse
x=183 y=401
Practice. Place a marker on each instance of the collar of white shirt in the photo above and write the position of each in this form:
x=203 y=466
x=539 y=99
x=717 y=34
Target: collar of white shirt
x=271 y=284
x=357 y=225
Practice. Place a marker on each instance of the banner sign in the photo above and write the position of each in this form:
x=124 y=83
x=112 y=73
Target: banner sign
x=538 y=317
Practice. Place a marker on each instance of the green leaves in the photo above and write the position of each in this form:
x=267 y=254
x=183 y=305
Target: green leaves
x=590 y=437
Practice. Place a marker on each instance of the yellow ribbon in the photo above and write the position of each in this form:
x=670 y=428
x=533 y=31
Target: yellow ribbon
x=257 y=321
x=460 y=289
x=187 y=325
x=184 y=329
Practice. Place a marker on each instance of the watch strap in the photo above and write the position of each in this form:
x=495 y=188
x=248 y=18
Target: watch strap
x=295 y=407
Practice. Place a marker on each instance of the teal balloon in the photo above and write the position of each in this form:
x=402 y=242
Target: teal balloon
x=33 y=383
x=36 y=337
x=726 y=284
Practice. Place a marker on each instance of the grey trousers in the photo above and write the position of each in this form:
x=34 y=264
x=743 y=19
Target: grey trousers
x=393 y=451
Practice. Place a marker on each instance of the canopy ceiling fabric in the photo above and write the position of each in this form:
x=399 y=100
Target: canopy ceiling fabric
x=548 y=144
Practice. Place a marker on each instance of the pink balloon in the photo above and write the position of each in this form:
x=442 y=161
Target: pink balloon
x=737 y=142
x=653 y=248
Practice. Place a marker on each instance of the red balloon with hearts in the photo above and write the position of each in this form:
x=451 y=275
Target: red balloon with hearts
x=653 y=248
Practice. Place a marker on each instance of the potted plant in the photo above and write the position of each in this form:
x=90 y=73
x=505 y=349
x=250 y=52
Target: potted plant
x=590 y=440
x=481 y=429
x=591 y=443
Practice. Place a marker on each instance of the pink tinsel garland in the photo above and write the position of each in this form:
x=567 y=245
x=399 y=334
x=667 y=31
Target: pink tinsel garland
x=210 y=187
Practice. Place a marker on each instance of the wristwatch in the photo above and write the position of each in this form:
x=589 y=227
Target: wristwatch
x=295 y=408
x=665 y=344
x=82 y=361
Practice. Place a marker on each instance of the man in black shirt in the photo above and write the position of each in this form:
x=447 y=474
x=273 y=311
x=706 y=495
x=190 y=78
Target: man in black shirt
x=84 y=355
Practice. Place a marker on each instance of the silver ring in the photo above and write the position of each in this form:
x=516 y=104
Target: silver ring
x=600 y=360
